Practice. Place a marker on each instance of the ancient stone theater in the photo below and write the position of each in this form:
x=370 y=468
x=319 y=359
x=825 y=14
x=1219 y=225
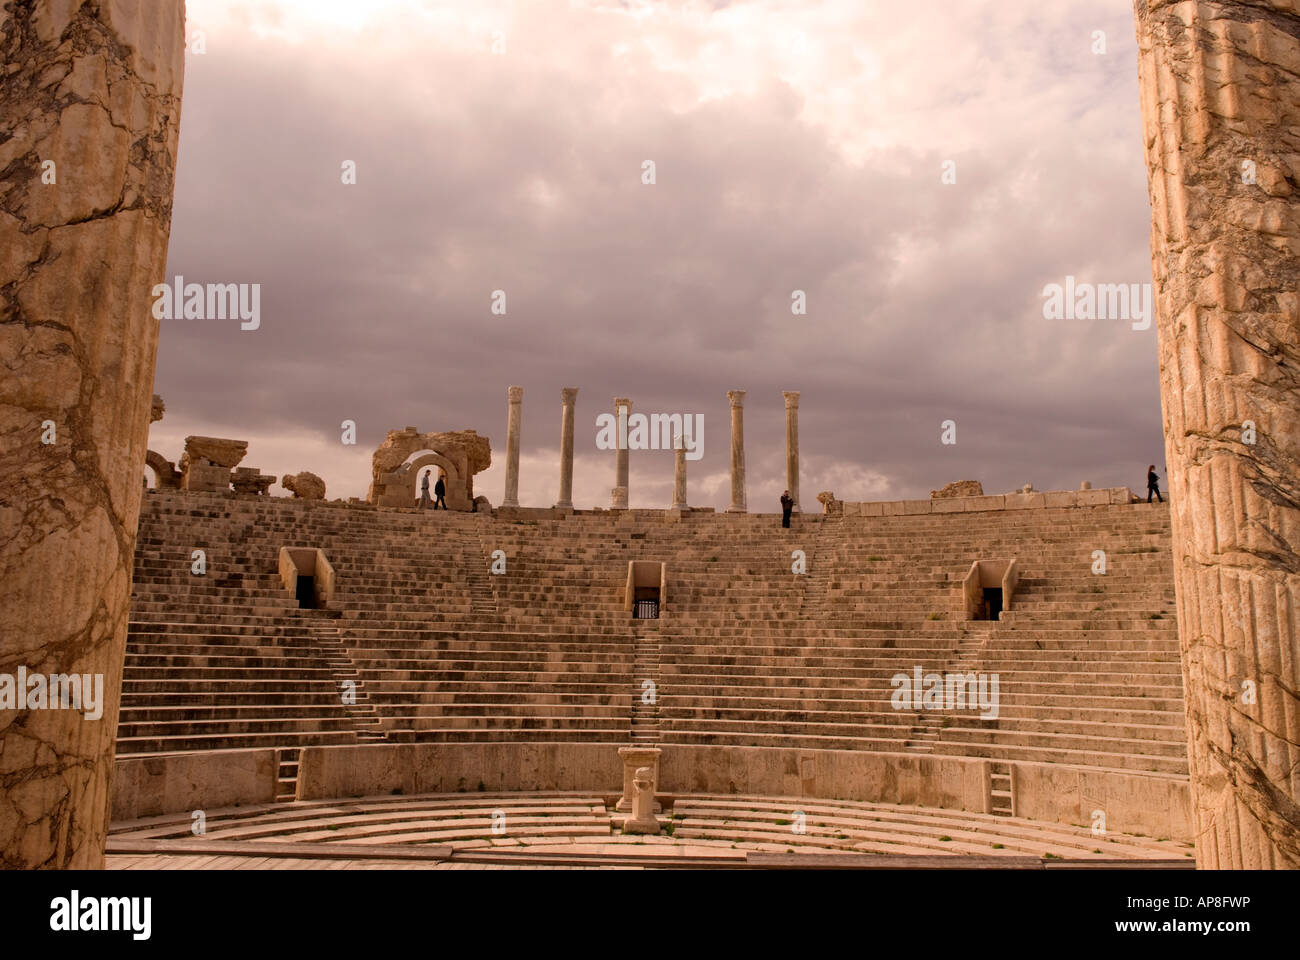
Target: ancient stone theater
x=268 y=673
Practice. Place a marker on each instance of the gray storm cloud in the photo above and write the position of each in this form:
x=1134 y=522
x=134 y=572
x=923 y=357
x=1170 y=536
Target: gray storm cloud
x=813 y=167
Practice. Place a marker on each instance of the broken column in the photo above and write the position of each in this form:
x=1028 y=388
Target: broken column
x=737 y=398
x=1220 y=88
x=87 y=155
x=515 y=396
x=618 y=497
x=643 y=819
x=792 y=445
x=208 y=462
x=568 y=396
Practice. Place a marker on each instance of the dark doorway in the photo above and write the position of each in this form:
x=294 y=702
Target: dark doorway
x=646 y=604
x=992 y=603
x=306 y=592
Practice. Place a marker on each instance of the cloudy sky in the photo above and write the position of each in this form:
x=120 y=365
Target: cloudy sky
x=797 y=145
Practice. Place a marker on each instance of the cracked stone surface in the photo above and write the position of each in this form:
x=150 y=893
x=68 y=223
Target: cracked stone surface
x=1220 y=86
x=94 y=87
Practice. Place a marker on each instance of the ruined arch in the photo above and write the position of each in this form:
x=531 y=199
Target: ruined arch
x=404 y=453
x=165 y=474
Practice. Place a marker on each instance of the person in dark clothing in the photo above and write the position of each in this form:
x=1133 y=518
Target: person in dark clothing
x=787 y=504
x=1153 y=484
x=424 y=491
x=439 y=489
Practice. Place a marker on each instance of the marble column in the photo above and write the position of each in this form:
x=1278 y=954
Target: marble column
x=1220 y=90
x=89 y=130
x=679 y=473
x=513 y=421
x=737 y=398
x=618 y=497
x=792 y=444
x=568 y=396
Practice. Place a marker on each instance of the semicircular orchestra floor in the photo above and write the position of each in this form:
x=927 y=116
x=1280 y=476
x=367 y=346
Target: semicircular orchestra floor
x=570 y=829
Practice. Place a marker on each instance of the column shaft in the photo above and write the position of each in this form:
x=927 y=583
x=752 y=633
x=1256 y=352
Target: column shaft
x=514 y=419
x=79 y=340
x=568 y=396
x=679 y=474
x=792 y=445
x=618 y=499
x=1220 y=107
x=737 y=398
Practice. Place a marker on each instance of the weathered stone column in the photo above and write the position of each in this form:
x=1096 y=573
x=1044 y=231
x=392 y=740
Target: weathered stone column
x=737 y=398
x=679 y=473
x=515 y=395
x=568 y=396
x=1220 y=84
x=792 y=444
x=618 y=497
x=88 y=139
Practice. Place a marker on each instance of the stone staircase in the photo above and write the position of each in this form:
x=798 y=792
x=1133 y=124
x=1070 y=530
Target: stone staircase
x=645 y=699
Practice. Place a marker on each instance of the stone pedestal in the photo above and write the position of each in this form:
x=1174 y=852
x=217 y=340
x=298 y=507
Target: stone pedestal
x=792 y=445
x=634 y=758
x=568 y=397
x=643 y=820
x=96 y=89
x=515 y=395
x=1220 y=87
x=737 y=398
x=618 y=496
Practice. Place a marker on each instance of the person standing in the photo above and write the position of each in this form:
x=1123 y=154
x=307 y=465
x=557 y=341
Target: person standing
x=1153 y=484
x=424 y=491
x=787 y=505
x=439 y=489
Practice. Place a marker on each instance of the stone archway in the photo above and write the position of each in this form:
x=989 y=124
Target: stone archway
x=399 y=459
x=456 y=496
x=165 y=475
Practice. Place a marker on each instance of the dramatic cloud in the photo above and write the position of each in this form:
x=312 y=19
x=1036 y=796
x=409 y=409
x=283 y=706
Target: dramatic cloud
x=798 y=146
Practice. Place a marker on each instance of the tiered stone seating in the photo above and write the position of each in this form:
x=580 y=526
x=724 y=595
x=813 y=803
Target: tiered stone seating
x=746 y=652
x=1088 y=664
x=580 y=824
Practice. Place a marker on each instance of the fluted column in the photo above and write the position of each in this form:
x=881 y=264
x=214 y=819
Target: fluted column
x=792 y=444
x=737 y=398
x=618 y=497
x=84 y=230
x=679 y=473
x=1220 y=107
x=568 y=396
x=514 y=418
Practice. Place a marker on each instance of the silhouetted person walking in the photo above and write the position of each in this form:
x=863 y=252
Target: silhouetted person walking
x=1153 y=484
x=424 y=491
x=439 y=489
x=787 y=504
